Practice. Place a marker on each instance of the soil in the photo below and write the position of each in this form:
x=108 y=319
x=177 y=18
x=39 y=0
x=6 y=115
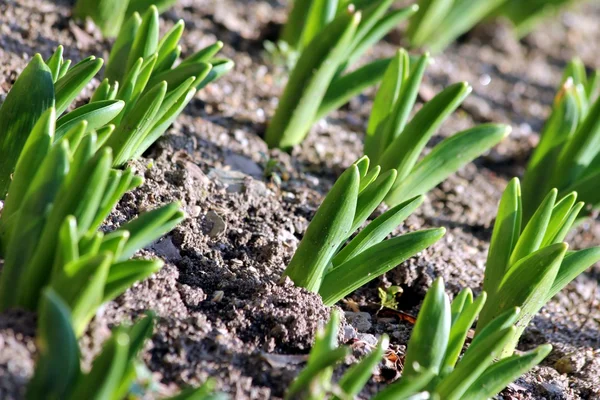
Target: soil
x=222 y=309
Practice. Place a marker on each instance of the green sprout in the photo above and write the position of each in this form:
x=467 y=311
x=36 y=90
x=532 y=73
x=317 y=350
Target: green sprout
x=524 y=15
x=315 y=381
x=325 y=264
x=395 y=143
x=330 y=39
x=440 y=22
x=432 y=368
x=528 y=264
x=58 y=373
x=568 y=154
x=136 y=103
x=60 y=193
x=109 y=15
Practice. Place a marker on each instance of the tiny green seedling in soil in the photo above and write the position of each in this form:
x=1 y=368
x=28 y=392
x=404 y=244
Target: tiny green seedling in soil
x=529 y=263
x=568 y=154
x=395 y=142
x=432 y=368
x=109 y=15
x=58 y=373
x=330 y=39
x=315 y=381
x=388 y=297
x=60 y=194
x=324 y=263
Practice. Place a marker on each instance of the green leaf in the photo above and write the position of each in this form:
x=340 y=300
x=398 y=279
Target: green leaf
x=382 y=28
x=177 y=76
x=445 y=159
x=57 y=367
x=386 y=97
x=204 y=55
x=108 y=15
x=377 y=230
x=31 y=220
x=507 y=229
x=121 y=50
x=499 y=375
x=560 y=216
x=396 y=121
x=150 y=226
x=533 y=234
x=370 y=198
x=328 y=229
x=29 y=163
x=55 y=62
x=107 y=370
x=460 y=329
x=124 y=274
x=130 y=132
x=169 y=42
x=374 y=262
x=81 y=285
x=146 y=39
x=69 y=86
x=473 y=364
x=292 y=30
x=405 y=388
x=97 y=115
x=572 y=266
x=162 y=124
x=309 y=81
x=461 y=301
x=426 y=21
x=358 y=375
x=541 y=171
x=33 y=91
x=526 y=285
x=344 y=88
x=404 y=150
x=320 y=13
x=220 y=67
x=429 y=338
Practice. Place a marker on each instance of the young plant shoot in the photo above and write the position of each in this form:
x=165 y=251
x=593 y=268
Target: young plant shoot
x=394 y=142
x=568 y=154
x=109 y=15
x=432 y=368
x=61 y=192
x=331 y=37
x=136 y=103
x=438 y=23
x=58 y=373
x=528 y=264
x=315 y=381
x=324 y=263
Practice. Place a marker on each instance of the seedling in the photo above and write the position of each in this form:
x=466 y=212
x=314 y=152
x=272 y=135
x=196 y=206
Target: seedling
x=525 y=15
x=527 y=266
x=58 y=374
x=330 y=39
x=395 y=143
x=109 y=15
x=61 y=192
x=432 y=368
x=568 y=155
x=325 y=264
x=387 y=297
x=438 y=23
x=136 y=103
x=315 y=381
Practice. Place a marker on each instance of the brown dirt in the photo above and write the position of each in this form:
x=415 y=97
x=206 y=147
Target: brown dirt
x=222 y=310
